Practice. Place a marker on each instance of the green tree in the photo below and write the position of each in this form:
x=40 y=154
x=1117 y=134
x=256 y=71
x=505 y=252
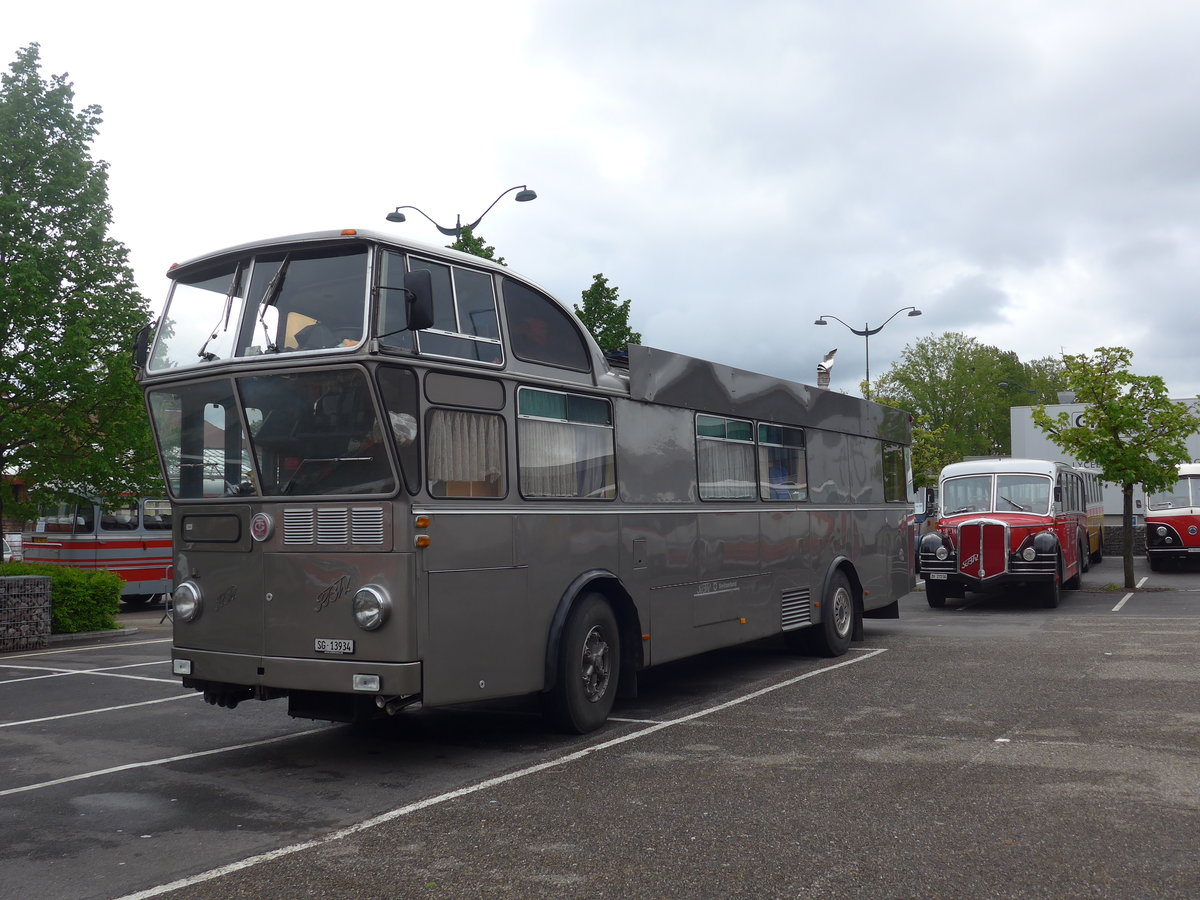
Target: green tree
x=962 y=391
x=71 y=416
x=930 y=451
x=1131 y=430
x=606 y=316
x=469 y=242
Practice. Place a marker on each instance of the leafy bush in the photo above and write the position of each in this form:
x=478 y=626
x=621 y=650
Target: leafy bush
x=79 y=600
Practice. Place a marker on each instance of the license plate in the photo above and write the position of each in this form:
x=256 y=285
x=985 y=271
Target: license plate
x=333 y=645
x=937 y=576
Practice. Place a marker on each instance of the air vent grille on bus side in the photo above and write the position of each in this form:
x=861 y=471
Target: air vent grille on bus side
x=796 y=608
x=366 y=525
x=299 y=526
x=333 y=526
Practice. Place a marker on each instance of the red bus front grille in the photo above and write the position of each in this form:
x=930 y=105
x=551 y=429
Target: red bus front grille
x=983 y=549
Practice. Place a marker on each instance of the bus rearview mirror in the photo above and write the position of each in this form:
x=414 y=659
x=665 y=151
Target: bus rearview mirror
x=418 y=295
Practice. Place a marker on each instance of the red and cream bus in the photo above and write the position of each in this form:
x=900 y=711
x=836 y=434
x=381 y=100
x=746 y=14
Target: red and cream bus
x=1006 y=522
x=1093 y=498
x=132 y=538
x=1173 y=520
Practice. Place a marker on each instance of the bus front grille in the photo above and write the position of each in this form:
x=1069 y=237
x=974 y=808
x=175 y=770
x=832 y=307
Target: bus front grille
x=797 y=608
x=338 y=526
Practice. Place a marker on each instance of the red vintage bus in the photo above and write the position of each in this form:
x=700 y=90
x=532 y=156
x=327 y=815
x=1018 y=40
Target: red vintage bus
x=1173 y=520
x=132 y=539
x=1005 y=522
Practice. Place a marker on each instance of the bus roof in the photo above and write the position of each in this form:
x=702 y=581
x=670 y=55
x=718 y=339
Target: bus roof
x=1002 y=466
x=327 y=237
x=1189 y=470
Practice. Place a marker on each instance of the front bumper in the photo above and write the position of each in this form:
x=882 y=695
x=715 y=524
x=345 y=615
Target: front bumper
x=283 y=674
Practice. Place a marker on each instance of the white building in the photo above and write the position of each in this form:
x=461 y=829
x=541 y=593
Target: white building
x=1031 y=442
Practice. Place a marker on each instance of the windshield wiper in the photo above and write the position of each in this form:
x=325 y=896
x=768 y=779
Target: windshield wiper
x=223 y=321
x=270 y=298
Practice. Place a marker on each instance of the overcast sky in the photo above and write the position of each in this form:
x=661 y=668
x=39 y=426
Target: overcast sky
x=1023 y=172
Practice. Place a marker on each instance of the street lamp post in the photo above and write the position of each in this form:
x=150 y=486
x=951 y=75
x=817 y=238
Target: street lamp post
x=865 y=333
x=524 y=196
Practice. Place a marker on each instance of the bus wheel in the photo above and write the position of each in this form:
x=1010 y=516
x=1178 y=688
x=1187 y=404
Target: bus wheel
x=935 y=594
x=1154 y=564
x=831 y=637
x=589 y=664
x=1050 y=592
x=1085 y=558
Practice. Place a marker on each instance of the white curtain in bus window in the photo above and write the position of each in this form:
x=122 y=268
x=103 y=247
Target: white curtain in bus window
x=781 y=463
x=725 y=458
x=466 y=454
x=565 y=446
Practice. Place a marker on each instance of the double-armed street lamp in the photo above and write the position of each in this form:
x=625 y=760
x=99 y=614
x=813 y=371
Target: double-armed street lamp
x=524 y=195
x=865 y=332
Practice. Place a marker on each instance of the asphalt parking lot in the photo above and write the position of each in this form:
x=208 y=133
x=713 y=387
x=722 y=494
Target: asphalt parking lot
x=989 y=749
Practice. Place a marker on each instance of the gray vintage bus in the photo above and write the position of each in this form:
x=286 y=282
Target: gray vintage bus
x=401 y=474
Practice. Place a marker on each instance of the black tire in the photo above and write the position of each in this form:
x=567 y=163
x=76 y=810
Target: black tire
x=1051 y=592
x=1155 y=565
x=936 y=593
x=831 y=636
x=1085 y=558
x=589 y=665
x=1075 y=582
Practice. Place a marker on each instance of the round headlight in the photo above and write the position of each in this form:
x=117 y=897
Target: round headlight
x=371 y=608
x=185 y=601
x=1028 y=554
x=1161 y=531
x=941 y=553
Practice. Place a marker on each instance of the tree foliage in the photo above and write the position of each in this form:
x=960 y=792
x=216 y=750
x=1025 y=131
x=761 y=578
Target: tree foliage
x=469 y=242
x=960 y=392
x=71 y=416
x=1130 y=430
x=606 y=316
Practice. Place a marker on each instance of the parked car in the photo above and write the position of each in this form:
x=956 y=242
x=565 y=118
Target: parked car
x=8 y=555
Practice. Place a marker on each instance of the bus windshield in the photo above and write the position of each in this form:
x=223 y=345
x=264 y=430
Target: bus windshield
x=1184 y=493
x=1014 y=493
x=275 y=302
x=315 y=433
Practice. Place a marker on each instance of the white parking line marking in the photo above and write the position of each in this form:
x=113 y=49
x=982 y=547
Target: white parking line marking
x=1125 y=599
x=109 y=671
x=160 y=762
x=483 y=785
x=92 y=712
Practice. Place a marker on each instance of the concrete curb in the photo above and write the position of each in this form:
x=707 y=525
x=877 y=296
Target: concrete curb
x=91 y=635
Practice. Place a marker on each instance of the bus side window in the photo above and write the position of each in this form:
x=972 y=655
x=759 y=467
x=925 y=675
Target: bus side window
x=122 y=518
x=465 y=455
x=541 y=331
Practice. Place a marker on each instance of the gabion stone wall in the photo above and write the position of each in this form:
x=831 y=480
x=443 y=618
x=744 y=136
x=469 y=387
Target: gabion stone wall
x=24 y=612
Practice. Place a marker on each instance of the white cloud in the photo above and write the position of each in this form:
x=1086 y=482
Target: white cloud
x=1026 y=173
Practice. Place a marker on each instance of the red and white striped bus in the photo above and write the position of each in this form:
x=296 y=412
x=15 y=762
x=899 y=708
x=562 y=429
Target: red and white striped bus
x=1173 y=520
x=132 y=539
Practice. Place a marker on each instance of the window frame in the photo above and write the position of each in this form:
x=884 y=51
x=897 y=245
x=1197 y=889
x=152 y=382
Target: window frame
x=609 y=426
